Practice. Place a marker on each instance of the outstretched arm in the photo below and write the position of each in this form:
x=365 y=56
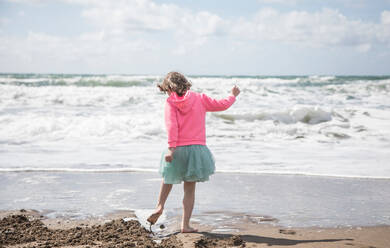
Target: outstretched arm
x=212 y=104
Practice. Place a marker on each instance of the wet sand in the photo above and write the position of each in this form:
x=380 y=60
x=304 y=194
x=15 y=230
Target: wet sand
x=89 y=209
x=292 y=200
x=29 y=228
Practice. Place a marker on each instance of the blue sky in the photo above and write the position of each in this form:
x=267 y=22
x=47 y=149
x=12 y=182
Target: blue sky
x=253 y=37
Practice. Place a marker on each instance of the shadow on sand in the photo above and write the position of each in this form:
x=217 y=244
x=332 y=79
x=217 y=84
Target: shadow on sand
x=270 y=241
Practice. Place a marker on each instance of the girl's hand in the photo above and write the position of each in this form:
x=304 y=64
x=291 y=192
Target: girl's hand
x=169 y=155
x=235 y=91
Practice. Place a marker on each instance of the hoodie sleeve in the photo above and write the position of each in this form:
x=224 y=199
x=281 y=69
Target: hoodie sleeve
x=217 y=105
x=171 y=124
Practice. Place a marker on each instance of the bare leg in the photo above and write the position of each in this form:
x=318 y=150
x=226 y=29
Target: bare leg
x=188 y=206
x=162 y=198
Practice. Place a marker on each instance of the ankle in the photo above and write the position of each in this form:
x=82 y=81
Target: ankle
x=183 y=226
x=159 y=208
x=188 y=230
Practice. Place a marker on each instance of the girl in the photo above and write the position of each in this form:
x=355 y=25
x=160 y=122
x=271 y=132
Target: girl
x=187 y=158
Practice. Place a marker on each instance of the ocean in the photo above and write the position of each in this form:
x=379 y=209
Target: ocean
x=311 y=125
x=303 y=150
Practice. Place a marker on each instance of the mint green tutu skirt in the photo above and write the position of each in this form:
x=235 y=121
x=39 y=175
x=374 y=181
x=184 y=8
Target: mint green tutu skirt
x=193 y=163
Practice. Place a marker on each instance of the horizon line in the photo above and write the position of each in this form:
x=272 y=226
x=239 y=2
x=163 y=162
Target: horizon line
x=196 y=75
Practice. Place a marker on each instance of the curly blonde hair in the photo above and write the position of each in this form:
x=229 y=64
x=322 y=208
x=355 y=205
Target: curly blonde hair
x=175 y=81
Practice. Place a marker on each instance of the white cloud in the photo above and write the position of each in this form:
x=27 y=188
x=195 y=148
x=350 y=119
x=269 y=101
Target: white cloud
x=33 y=2
x=4 y=21
x=289 y=2
x=325 y=28
x=346 y=3
x=88 y=48
x=121 y=17
x=121 y=27
x=383 y=34
x=141 y=15
x=363 y=48
x=385 y=17
x=189 y=29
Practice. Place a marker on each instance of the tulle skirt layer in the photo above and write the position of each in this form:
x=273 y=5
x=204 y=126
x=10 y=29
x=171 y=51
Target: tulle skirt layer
x=192 y=163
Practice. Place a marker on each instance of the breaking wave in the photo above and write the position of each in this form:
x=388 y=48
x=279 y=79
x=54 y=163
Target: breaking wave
x=308 y=115
x=324 y=124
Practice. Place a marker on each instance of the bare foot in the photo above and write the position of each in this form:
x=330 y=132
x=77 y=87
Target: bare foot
x=189 y=230
x=154 y=217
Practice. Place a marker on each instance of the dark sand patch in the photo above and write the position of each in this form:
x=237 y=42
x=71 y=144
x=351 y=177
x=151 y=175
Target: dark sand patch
x=26 y=229
x=19 y=229
x=206 y=242
x=30 y=229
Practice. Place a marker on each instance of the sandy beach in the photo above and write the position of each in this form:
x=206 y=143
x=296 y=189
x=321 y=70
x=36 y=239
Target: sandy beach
x=49 y=209
x=28 y=228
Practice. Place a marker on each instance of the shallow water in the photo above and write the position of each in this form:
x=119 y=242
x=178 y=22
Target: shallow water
x=287 y=200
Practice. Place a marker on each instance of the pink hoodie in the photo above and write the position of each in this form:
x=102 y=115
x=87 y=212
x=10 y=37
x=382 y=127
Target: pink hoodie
x=185 y=117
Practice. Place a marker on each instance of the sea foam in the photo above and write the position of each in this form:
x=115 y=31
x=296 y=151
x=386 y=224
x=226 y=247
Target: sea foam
x=340 y=124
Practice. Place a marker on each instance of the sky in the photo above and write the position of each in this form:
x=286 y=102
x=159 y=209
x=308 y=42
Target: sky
x=203 y=37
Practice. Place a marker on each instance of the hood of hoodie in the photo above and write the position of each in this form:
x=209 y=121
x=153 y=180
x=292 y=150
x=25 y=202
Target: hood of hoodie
x=183 y=103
